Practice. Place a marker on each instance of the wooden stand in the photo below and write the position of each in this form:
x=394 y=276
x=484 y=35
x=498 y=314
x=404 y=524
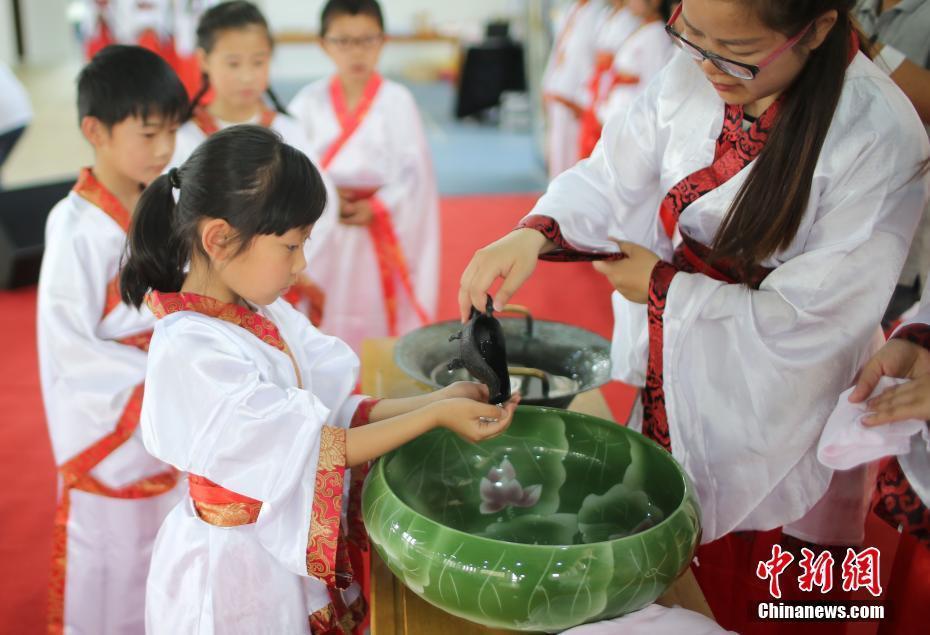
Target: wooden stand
x=395 y=610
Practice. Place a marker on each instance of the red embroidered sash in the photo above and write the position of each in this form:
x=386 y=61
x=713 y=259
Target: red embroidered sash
x=208 y=124
x=76 y=472
x=736 y=148
x=392 y=264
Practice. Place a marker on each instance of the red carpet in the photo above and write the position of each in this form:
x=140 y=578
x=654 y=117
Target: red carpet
x=565 y=292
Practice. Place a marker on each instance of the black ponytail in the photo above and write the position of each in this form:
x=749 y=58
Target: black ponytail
x=245 y=175
x=224 y=17
x=157 y=256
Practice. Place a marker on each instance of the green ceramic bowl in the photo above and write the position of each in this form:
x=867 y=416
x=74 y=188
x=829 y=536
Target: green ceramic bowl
x=564 y=519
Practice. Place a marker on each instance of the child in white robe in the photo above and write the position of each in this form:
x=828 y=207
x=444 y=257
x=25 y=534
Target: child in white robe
x=254 y=403
x=234 y=49
x=638 y=60
x=764 y=192
x=92 y=351
x=565 y=96
x=619 y=23
x=379 y=266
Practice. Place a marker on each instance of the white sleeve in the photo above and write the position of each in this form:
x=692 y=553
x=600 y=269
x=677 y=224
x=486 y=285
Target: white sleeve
x=615 y=193
x=751 y=376
x=223 y=420
x=86 y=380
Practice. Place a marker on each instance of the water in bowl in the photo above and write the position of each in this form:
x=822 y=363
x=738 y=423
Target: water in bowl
x=546 y=487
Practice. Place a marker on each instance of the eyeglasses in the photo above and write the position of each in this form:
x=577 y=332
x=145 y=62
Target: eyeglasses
x=366 y=42
x=732 y=68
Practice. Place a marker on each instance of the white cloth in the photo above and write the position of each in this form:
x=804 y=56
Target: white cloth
x=846 y=442
x=653 y=620
x=87 y=378
x=388 y=153
x=15 y=108
x=642 y=55
x=223 y=404
x=571 y=63
x=750 y=376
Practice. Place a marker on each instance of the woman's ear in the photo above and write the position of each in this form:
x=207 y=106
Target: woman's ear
x=217 y=238
x=821 y=29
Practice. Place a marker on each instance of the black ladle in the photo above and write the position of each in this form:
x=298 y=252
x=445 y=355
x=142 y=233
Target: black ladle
x=483 y=353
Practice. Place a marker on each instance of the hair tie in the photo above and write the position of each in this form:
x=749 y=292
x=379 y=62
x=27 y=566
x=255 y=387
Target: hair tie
x=174 y=177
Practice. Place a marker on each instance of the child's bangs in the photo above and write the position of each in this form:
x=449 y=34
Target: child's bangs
x=295 y=195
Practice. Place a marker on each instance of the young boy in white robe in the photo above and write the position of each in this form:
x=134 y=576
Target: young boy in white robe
x=379 y=266
x=92 y=351
x=254 y=403
x=564 y=82
x=764 y=192
x=234 y=50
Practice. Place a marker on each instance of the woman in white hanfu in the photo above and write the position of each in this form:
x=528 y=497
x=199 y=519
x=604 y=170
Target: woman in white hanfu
x=379 y=264
x=764 y=192
x=256 y=405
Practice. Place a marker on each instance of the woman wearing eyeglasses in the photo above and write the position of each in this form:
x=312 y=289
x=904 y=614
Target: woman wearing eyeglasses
x=763 y=190
x=379 y=266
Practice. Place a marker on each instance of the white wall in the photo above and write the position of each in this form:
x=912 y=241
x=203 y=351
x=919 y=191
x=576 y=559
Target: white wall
x=7 y=33
x=47 y=36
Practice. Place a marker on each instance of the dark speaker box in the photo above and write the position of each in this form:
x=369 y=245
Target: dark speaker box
x=23 y=213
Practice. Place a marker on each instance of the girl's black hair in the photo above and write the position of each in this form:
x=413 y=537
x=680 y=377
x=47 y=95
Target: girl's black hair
x=129 y=81
x=245 y=175
x=227 y=16
x=767 y=211
x=335 y=8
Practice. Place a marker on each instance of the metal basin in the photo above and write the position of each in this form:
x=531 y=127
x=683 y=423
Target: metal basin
x=550 y=362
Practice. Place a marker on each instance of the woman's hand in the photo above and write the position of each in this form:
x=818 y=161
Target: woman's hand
x=631 y=275
x=512 y=258
x=910 y=400
x=897 y=358
x=472 y=420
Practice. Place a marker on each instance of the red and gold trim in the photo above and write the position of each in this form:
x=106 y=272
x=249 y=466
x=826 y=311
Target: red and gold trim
x=338 y=619
x=326 y=556
x=222 y=507
x=362 y=416
x=163 y=304
x=208 y=124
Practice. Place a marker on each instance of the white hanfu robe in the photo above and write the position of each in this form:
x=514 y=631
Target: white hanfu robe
x=113 y=495
x=382 y=279
x=570 y=65
x=637 y=62
x=256 y=403
x=751 y=375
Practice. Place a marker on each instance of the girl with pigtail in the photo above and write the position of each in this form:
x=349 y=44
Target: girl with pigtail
x=252 y=402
